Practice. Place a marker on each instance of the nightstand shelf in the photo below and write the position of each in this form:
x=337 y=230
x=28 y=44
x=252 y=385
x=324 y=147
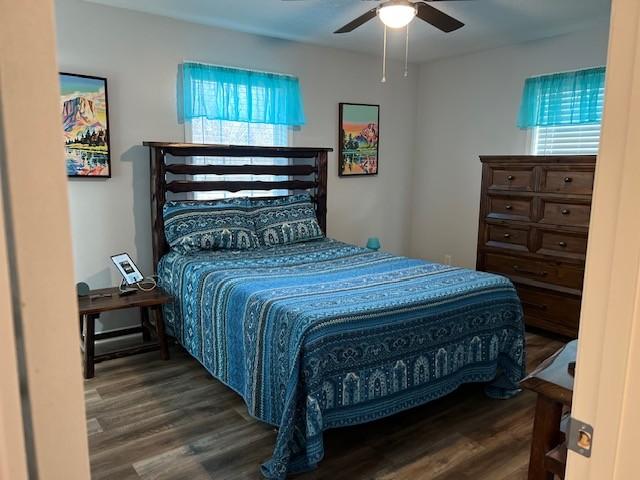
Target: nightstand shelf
x=108 y=299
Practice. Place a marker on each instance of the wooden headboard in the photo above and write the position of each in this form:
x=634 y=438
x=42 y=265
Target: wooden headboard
x=306 y=170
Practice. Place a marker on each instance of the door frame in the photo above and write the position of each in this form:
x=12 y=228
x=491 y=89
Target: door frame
x=44 y=383
x=13 y=461
x=609 y=342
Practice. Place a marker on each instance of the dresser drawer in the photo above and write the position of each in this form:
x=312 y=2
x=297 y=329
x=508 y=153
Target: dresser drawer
x=550 y=310
x=550 y=272
x=510 y=208
x=511 y=178
x=564 y=213
x=507 y=236
x=563 y=244
x=568 y=181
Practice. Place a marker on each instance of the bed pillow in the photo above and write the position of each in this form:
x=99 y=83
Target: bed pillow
x=227 y=224
x=283 y=220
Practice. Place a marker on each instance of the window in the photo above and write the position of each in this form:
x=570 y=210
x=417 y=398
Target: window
x=223 y=105
x=201 y=130
x=564 y=112
x=581 y=139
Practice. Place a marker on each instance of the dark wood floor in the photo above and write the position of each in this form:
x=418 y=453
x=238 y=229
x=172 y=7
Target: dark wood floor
x=149 y=419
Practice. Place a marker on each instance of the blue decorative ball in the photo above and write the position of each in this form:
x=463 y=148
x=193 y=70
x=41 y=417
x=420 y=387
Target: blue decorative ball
x=373 y=243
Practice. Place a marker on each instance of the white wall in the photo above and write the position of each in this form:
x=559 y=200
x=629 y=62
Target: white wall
x=433 y=127
x=468 y=107
x=140 y=54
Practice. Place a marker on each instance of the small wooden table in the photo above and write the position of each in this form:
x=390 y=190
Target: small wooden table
x=109 y=299
x=554 y=385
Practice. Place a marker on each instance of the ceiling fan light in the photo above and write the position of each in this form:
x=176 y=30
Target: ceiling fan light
x=396 y=16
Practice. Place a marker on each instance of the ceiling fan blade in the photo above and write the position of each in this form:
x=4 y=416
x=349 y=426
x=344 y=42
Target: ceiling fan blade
x=437 y=18
x=361 y=20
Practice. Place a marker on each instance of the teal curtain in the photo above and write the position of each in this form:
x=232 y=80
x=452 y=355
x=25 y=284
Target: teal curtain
x=220 y=93
x=572 y=98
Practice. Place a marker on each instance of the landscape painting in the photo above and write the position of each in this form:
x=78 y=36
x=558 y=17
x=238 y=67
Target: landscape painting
x=359 y=136
x=85 y=123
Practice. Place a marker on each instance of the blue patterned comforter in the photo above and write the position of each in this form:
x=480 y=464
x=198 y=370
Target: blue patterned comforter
x=324 y=334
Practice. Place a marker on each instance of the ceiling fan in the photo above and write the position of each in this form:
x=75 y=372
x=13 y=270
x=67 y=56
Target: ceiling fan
x=399 y=13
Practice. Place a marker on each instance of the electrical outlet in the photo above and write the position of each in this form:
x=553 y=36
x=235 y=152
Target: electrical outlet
x=448 y=259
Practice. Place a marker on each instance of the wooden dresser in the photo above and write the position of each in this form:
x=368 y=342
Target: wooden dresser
x=534 y=222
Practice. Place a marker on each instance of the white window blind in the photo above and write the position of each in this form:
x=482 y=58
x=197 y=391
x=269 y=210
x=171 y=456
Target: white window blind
x=238 y=133
x=568 y=139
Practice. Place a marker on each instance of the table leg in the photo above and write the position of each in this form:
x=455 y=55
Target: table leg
x=89 y=344
x=546 y=436
x=162 y=339
x=144 y=324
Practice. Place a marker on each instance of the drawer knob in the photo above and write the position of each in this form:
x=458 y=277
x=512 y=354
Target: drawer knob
x=568 y=179
x=562 y=244
x=565 y=211
x=540 y=273
x=508 y=206
x=507 y=235
x=510 y=177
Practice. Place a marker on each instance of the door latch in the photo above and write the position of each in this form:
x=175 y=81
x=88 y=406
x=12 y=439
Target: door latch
x=580 y=437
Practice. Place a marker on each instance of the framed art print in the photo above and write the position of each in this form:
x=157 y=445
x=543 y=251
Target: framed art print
x=85 y=123
x=358 y=139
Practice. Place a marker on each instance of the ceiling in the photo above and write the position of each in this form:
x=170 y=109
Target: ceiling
x=489 y=23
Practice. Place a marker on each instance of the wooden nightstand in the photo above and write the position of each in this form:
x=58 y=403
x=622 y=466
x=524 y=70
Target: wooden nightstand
x=109 y=299
x=553 y=382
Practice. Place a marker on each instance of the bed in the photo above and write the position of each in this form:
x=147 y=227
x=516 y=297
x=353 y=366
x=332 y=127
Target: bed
x=322 y=334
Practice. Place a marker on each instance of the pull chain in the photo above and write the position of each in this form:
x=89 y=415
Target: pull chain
x=384 y=56
x=406 y=54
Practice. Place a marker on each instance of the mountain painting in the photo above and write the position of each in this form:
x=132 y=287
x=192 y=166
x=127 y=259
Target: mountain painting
x=359 y=136
x=85 y=122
